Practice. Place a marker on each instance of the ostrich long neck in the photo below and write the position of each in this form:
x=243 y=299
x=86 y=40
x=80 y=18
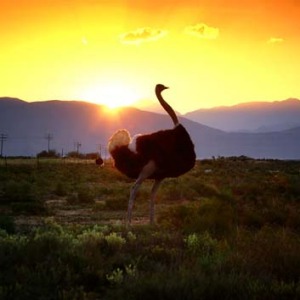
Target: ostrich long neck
x=167 y=108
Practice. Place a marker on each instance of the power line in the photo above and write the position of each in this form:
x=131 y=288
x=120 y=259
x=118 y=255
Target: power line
x=77 y=146
x=102 y=150
x=49 y=137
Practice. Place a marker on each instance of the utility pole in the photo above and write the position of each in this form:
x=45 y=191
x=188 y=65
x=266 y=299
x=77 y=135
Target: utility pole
x=3 y=138
x=105 y=152
x=100 y=148
x=49 y=137
x=77 y=145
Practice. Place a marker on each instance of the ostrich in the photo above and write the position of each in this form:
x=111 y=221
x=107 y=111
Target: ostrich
x=158 y=155
x=99 y=161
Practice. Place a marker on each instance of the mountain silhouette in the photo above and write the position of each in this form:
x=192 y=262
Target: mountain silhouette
x=251 y=117
x=28 y=124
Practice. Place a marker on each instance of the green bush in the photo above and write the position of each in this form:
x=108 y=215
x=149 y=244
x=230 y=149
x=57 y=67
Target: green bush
x=15 y=191
x=22 y=198
x=55 y=262
x=231 y=237
x=202 y=244
x=83 y=194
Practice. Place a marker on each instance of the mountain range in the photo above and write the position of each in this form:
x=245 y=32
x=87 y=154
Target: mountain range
x=64 y=124
x=251 y=117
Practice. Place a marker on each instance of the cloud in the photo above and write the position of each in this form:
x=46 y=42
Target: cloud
x=140 y=35
x=274 y=40
x=202 y=31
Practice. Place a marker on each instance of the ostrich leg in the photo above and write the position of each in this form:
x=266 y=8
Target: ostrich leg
x=154 y=190
x=147 y=171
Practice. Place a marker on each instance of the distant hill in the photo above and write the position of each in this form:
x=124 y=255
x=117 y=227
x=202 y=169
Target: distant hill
x=251 y=117
x=27 y=125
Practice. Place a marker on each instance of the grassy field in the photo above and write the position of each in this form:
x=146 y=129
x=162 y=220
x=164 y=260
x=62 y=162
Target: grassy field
x=229 y=229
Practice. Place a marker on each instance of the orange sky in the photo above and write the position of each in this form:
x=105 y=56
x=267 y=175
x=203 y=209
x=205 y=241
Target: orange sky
x=210 y=52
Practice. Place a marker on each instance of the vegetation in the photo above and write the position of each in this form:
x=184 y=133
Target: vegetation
x=228 y=229
x=48 y=154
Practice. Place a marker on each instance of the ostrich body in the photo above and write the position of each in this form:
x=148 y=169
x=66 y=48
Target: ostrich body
x=158 y=155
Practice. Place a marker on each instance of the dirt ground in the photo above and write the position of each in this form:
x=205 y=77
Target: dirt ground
x=64 y=214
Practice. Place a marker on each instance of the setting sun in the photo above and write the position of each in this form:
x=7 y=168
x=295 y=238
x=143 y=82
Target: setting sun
x=207 y=52
x=112 y=95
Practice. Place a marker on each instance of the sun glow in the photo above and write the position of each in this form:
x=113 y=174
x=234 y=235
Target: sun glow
x=112 y=95
x=114 y=52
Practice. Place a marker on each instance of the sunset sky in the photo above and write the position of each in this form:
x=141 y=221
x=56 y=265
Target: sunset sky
x=210 y=52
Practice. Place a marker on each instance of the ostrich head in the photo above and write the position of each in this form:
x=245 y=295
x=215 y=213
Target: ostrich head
x=159 y=88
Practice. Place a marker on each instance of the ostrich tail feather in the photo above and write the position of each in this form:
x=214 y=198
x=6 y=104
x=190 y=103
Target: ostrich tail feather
x=119 y=138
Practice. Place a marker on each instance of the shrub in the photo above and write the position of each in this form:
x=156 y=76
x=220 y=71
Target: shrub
x=202 y=244
x=48 y=154
x=18 y=191
x=60 y=189
x=23 y=198
x=114 y=241
x=187 y=188
x=212 y=215
x=29 y=208
x=116 y=203
x=270 y=252
x=197 y=251
x=7 y=223
x=203 y=189
x=83 y=195
x=91 y=237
